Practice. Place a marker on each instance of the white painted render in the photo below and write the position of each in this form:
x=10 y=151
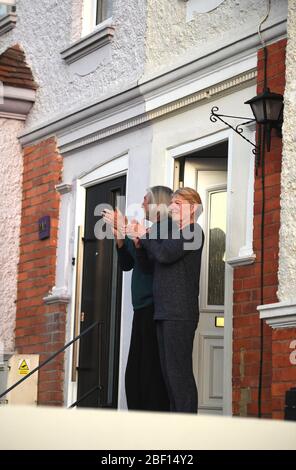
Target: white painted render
x=172 y=40
x=48 y=27
x=11 y=167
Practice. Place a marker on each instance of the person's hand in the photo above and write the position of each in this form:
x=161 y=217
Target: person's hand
x=134 y=229
x=114 y=218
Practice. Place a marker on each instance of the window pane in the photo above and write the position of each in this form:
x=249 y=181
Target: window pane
x=104 y=10
x=107 y=9
x=217 y=235
x=3 y=10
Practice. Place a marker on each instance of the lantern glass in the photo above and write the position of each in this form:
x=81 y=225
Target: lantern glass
x=273 y=109
x=258 y=108
x=267 y=107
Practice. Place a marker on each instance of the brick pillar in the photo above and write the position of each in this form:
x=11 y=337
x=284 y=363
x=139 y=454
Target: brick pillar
x=40 y=328
x=246 y=321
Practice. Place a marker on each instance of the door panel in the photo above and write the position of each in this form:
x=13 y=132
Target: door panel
x=100 y=301
x=208 y=344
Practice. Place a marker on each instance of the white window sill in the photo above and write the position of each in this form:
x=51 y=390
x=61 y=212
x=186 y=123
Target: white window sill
x=7 y=23
x=279 y=315
x=16 y=103
x=242 y=260
x=101 y=36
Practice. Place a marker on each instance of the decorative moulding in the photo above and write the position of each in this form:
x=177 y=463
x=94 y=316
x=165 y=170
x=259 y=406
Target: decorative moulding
x=242 y=260
x=279 y=315
x=93 y=41
x=63 y=188
x=15 y=102
x=7 y=23
x=56 y=296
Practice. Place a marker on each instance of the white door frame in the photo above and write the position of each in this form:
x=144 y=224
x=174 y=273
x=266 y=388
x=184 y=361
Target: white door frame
x=104 y=172
x=183 y=150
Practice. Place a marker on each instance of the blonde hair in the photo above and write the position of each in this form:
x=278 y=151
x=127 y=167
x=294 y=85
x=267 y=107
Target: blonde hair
x=189 y=194
x=193 y=198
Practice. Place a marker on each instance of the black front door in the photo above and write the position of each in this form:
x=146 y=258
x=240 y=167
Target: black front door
x=101 y=301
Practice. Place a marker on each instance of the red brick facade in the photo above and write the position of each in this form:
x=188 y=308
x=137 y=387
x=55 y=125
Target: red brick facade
x=14 y=70
x=40 y=328
x=278 y=373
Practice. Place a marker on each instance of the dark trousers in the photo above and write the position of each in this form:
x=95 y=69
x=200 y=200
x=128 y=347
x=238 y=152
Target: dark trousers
x=175 y=340
x=144 y=383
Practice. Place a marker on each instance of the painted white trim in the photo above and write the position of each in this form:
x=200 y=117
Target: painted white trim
x=70 y=389
x=133 y=114
x=7 y=23
x=89 y=8
x=122 y=111
x=63 y=188
x=107 y=170
x=15 y=102
x=204 y=80
x=116 y=167
x=187 y=148
x=57 y=295
x=101 y=36
x=242 y=259
x=279 y=315
x=18 y=93
x=199 y=144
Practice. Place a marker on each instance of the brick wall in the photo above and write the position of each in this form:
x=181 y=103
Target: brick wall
x=246 y=321
x=14 y=70
x=40 y=328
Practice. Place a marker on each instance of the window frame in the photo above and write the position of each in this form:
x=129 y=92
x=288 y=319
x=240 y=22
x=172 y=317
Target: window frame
x=92 y=15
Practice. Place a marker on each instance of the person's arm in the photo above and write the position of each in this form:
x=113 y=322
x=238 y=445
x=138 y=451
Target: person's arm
x=125 y=259
x=164 y=251
x=145 y=262
x=168 y=250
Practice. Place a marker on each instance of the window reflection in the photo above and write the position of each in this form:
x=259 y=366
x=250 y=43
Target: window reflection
x=216 y=237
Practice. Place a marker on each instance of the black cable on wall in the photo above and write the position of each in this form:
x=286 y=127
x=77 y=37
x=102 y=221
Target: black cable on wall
x=262 y=144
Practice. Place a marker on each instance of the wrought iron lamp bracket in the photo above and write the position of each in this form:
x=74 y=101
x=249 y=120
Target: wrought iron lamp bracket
x=215 y=116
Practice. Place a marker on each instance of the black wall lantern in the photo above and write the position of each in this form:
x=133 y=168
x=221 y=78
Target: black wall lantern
x=268 y=111
x=267 y=108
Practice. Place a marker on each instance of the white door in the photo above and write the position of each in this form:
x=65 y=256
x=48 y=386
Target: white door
x=209 y=177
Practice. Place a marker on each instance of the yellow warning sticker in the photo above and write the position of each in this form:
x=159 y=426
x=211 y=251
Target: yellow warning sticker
x=23 y=367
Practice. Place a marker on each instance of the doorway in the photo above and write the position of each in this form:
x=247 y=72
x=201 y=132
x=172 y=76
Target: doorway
x=206 y=171
x=98 y=366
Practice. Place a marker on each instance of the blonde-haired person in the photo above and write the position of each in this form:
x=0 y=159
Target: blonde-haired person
x=144 y=382
x=177 y=262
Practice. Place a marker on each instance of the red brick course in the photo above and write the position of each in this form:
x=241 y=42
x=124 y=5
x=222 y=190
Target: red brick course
x=14 y=70
x=40 y=328
x=247 y=295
